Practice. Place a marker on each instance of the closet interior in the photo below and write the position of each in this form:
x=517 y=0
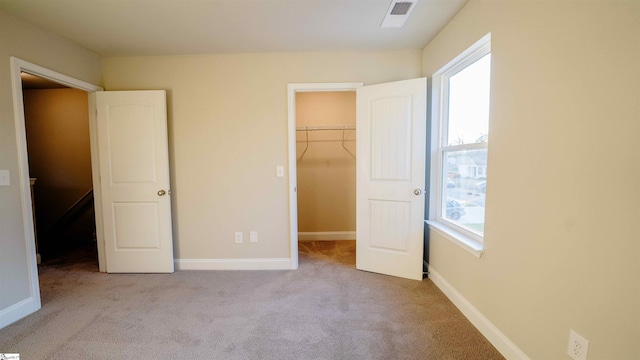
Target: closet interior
x=326 y=165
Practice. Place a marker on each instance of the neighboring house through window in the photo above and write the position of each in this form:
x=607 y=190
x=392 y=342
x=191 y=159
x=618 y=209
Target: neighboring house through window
x=460 y=138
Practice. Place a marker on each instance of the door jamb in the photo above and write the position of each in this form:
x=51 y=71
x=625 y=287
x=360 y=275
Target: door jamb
x=292 y=89
x=18 y=66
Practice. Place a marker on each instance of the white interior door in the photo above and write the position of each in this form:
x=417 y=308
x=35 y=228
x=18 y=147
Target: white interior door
x=391 y=145
x=134 y=176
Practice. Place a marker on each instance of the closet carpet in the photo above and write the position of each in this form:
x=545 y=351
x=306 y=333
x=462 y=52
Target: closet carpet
x=324 y=310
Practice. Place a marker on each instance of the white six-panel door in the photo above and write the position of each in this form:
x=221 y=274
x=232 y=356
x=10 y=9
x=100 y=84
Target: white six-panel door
x=390 y=176
x=134 y=175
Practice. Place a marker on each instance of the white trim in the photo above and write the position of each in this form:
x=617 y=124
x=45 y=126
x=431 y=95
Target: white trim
x=18 y=66
x=468 y=240
x=19 y=310
x=32 y=303
x=33 y=69
x=496 y=337
x=326 y=235
x=469 y=244
x=292 y=89
x=467 y=57
x=25 y=191
x=234 y=264
x=318 y=87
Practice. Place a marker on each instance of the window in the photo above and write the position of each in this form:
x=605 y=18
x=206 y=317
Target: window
x=461 y=138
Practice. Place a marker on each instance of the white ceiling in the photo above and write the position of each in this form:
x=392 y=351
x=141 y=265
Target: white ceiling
x=177 y=27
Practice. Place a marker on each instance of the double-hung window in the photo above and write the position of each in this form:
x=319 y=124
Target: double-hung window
x=460 y=138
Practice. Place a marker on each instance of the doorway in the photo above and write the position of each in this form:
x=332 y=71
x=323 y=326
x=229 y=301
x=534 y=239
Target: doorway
x=19 y=66
x=57 y=135
x=322 y=145
x=326 y=173
x=390 y=175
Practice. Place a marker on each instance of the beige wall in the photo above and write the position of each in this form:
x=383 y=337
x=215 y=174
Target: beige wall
x=561 y=233
x=57 y=124
x=326 y=171
x=34 y=45
x=228 y=132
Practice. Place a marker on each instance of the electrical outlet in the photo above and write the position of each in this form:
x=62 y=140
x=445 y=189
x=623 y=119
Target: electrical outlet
x=253 y=236
x=578 y=346
x=5 y=178
x=238 y=237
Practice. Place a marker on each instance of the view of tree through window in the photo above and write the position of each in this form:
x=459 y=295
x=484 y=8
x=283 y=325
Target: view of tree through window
x=464 y=148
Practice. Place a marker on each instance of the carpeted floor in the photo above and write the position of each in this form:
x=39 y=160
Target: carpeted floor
x=324 y=310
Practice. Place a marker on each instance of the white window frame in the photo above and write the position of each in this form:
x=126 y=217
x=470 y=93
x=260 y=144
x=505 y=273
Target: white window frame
x=468 y=240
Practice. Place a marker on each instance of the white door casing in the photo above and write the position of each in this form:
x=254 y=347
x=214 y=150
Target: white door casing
x=292 y=89
x=27 y=272
x=134 y=176
x=390 y=177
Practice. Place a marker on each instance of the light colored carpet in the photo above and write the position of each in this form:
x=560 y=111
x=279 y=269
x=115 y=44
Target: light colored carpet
x=324 y=310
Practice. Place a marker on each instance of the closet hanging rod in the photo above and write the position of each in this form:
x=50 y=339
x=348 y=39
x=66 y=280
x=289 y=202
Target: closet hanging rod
x=342 y=128
x=334 y=127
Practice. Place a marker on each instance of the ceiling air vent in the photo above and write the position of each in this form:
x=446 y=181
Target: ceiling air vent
x=398 y=13
x=401 y=8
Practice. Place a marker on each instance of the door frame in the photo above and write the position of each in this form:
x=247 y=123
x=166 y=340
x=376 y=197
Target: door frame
x=17 y=67
x=292 y=89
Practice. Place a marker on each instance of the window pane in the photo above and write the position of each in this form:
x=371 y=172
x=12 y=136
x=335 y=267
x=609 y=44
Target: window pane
x=469 y=103
x=463 y=193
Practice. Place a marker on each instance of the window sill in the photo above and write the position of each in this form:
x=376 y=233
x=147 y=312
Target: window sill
x=470 y=245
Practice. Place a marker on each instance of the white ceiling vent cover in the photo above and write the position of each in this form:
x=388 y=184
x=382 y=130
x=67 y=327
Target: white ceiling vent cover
x=401 y=8
x=398 y=13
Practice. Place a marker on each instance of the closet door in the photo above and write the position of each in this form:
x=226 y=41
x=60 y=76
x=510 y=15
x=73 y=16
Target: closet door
x=390 y=202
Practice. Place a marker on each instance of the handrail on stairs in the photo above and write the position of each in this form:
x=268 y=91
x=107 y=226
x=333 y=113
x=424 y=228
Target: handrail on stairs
x=72 y=211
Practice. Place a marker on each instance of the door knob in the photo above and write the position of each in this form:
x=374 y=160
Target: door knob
x=161 y=192
x=417 y=191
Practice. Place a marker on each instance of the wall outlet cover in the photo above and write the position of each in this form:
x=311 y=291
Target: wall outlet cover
x=5 y=178
x=578 y=346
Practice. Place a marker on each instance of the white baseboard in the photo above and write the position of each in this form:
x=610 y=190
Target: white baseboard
x=233 y=264
x=326 y=235
x=499 y=340
x=17 y=311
